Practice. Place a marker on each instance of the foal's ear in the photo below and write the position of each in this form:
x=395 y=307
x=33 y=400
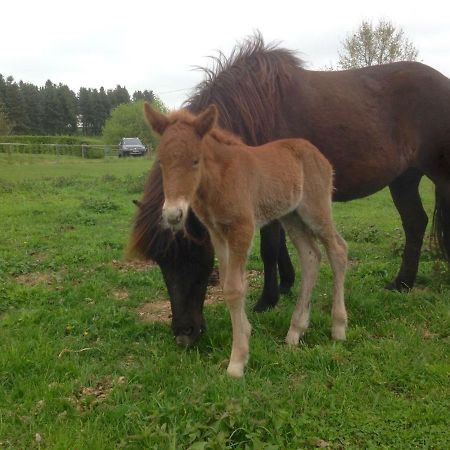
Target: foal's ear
x=205 y=121
x=156 y=120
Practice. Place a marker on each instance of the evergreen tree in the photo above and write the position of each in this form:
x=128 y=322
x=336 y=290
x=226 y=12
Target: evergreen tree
x=148 y=96
x=5 y=125
x=68 y=106
x=33 y=108
x=14 y=105
x=52 y=111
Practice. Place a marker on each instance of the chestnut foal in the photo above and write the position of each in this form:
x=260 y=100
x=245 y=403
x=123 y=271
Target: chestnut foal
x=234 y=188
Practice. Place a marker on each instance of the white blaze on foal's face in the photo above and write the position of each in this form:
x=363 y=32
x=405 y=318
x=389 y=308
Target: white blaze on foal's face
x=180 y=159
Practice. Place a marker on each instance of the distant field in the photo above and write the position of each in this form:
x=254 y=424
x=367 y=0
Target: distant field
x=79 y=369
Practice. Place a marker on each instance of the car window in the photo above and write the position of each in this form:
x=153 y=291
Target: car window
x=132 y=141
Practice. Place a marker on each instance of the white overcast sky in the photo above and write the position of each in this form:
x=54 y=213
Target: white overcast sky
x=154 y=44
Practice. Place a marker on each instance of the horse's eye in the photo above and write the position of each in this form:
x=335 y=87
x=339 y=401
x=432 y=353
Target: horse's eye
x=195 y=162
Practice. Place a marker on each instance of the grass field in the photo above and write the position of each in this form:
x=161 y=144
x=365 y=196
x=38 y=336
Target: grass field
x=80 y=370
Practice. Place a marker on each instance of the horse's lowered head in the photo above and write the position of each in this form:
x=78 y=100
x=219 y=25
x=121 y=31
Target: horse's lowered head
x=180 y=157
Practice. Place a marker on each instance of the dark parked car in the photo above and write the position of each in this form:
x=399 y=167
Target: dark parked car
x=131 y=147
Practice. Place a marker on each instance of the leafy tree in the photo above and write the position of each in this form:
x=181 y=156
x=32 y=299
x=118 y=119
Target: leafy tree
x=127 y=120
x=372 y=45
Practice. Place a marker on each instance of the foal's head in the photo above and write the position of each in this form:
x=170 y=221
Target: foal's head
x=180 y=156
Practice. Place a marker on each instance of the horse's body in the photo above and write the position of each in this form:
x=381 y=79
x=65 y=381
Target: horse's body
x=379 y=126
x=233 y=189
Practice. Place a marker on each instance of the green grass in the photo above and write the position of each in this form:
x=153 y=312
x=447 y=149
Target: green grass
x=78 y=370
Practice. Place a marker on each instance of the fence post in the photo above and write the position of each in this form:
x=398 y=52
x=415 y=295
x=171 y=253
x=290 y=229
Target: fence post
x=83 y=150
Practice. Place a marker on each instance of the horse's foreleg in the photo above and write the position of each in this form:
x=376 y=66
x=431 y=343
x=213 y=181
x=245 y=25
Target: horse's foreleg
x=285 y=268
x=221 y=251
x=270 y=247
x=405 y=193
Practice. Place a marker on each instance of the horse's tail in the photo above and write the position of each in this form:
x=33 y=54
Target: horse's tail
x=440 y=234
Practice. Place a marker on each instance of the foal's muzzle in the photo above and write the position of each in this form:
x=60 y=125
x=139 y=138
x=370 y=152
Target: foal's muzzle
x=174 y=215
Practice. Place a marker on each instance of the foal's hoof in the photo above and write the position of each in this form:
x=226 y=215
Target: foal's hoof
x=399 y=286
x=292 y=338
x=235 y=370
x=338 y=333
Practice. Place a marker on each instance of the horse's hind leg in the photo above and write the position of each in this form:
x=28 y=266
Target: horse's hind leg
x=309 y=256
x=405 y=193
x=440 y=175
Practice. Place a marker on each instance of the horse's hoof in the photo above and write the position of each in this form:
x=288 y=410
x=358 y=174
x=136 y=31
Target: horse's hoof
x=261 y=306
x=285 y=288
x=265 y=302
x=399 y=286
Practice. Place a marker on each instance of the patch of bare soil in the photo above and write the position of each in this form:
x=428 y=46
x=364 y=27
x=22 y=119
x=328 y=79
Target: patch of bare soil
x=34 y=278
x=135 y=264
x=120 y=294
x=90 y=396
x=39 y=256
x=159 y=310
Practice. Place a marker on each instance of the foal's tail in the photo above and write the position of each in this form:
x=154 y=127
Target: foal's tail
x=440 y=234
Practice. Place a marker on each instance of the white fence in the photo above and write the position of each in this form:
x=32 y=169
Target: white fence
x=77 y=150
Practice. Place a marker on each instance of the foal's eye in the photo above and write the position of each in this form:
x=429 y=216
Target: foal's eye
x=195 y=162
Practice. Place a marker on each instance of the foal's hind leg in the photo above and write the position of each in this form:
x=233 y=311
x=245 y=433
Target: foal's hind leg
x=309 y=255
x=336 y=249
x=318 y=217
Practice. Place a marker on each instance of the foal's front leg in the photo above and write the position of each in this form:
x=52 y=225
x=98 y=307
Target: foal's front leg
x=234 y=291
x=237 y=243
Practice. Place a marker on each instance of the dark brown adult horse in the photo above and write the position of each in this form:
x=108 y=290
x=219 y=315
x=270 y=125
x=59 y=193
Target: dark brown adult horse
x=379 y=126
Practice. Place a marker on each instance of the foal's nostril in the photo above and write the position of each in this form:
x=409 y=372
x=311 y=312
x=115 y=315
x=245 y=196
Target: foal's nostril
x=175 y=217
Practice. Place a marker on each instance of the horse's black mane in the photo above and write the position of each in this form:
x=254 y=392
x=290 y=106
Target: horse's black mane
x=241 y=86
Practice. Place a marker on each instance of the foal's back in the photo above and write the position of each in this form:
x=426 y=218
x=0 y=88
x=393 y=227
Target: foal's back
x=284 y=173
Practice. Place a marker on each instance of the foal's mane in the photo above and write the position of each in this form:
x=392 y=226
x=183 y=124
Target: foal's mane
x=247 y=87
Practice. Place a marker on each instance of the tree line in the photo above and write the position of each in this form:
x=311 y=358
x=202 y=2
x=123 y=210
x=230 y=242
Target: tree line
x=55 y=109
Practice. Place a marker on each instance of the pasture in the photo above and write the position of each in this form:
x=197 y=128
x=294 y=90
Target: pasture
x=79 y=369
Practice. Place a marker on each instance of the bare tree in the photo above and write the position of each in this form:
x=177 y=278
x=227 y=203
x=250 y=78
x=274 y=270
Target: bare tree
x=371 y=45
